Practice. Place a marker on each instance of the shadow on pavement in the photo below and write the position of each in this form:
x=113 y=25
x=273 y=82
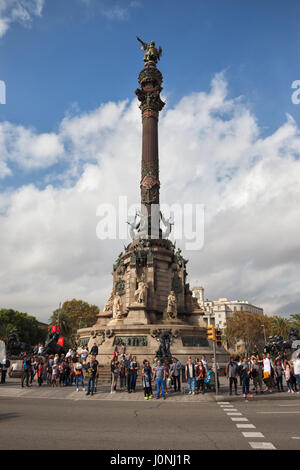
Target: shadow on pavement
x=5 y=416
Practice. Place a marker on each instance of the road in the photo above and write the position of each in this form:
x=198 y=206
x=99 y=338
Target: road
x=36 y=419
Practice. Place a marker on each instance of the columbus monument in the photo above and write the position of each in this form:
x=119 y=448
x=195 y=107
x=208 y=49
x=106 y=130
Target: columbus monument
x=150 y=308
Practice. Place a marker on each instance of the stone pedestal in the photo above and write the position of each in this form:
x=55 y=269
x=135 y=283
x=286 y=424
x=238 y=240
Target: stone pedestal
x=116 y=322
x=137 y=315
x=171 y=321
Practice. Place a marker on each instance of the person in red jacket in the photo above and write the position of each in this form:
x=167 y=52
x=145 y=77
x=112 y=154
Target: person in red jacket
x=201 y=374
x=40 y=373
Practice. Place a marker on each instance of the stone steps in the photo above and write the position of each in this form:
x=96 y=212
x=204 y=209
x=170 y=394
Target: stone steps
x=104 y=375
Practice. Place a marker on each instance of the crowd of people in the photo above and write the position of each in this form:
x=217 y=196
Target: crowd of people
x=79 y=366
x=62 y=370
x=166 y=377
x=266 y=374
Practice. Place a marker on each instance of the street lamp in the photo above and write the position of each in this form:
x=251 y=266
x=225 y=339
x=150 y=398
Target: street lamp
x=264 y=334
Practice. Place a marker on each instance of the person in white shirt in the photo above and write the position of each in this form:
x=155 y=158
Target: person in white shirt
x=78 y=370
x=215 y=369
x=297 y=371
x=204 y=362
x=69 y=353
x=267 y=372
x=84 y=354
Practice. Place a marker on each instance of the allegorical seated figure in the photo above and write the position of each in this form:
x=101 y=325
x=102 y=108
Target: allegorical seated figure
x=140 y=295
x=109 y=304
x=117 y=307
x=172 y=306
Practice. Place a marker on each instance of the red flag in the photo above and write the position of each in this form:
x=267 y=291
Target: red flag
x=60 y=341
x=55 y=329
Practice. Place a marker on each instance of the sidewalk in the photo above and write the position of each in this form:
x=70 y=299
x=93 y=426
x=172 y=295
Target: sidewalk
x=12 y=388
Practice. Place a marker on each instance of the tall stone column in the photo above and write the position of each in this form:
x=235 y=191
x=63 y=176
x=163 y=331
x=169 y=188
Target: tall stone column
x=150 y=79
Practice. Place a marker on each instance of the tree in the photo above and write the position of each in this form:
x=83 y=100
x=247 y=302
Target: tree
x=74 y=314
x=248 y=327
x=295 y=321
x=62 y=319
x=26 y=327
x=280 y=326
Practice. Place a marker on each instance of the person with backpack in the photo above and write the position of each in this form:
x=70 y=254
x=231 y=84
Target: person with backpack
x=208 y=379
x=33 y=369
x=78 y=372
x=159 y=377
x=26 y=369
x=122 y=373
x=245 y=374
x=54 y=372
x=256 y=374
x=268 y=372
x=175 y=373
x=66 y=372
x=114 y=368
x=92 y=369
x=232 y=373
x=167 y=381
x=147 y=377
x=287 y=372
x=201 y=374
x=40 y=371
x=190 y=375
x=134 y=367
x=278 y=371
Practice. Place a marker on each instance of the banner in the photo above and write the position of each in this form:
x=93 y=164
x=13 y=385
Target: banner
x=55 y=329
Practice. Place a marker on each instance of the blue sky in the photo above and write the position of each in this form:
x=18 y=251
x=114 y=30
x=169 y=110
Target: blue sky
x=70 y=139
x=75 y=54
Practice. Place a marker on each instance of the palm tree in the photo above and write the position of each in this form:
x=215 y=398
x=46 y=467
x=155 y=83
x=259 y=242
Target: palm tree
x=280 y=326
x=64 y=322
x=295 y=321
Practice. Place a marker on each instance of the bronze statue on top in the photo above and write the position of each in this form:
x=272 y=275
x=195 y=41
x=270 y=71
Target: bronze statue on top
x=152 y=53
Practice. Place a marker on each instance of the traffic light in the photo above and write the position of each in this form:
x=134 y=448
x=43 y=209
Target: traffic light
x=211 y=334
x=219 y=337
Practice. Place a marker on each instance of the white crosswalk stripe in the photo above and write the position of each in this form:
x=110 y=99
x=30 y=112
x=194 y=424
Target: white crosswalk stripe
x=253 y=434
x=262 y=445
x=245 y=426
x=242 y=423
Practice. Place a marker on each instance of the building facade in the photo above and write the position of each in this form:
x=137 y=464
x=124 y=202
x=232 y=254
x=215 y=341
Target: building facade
x=216 y=312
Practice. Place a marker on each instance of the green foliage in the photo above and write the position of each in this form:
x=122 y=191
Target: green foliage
x=280 y=326
x=295 y=321
x=248 y=327
x=80 y=313
x=25 y=326
x=74 y=314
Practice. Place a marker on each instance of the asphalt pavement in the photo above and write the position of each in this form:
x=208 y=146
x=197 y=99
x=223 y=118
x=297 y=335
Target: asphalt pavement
x=61 y=418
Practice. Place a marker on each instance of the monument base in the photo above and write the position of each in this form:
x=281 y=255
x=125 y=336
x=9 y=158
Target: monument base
x=142 y=340
x=137 y=315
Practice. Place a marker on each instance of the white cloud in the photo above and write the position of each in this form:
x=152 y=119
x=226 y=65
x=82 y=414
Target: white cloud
x=21 y=11
x=110 y=11
x=27 y=149
x=211 y=152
